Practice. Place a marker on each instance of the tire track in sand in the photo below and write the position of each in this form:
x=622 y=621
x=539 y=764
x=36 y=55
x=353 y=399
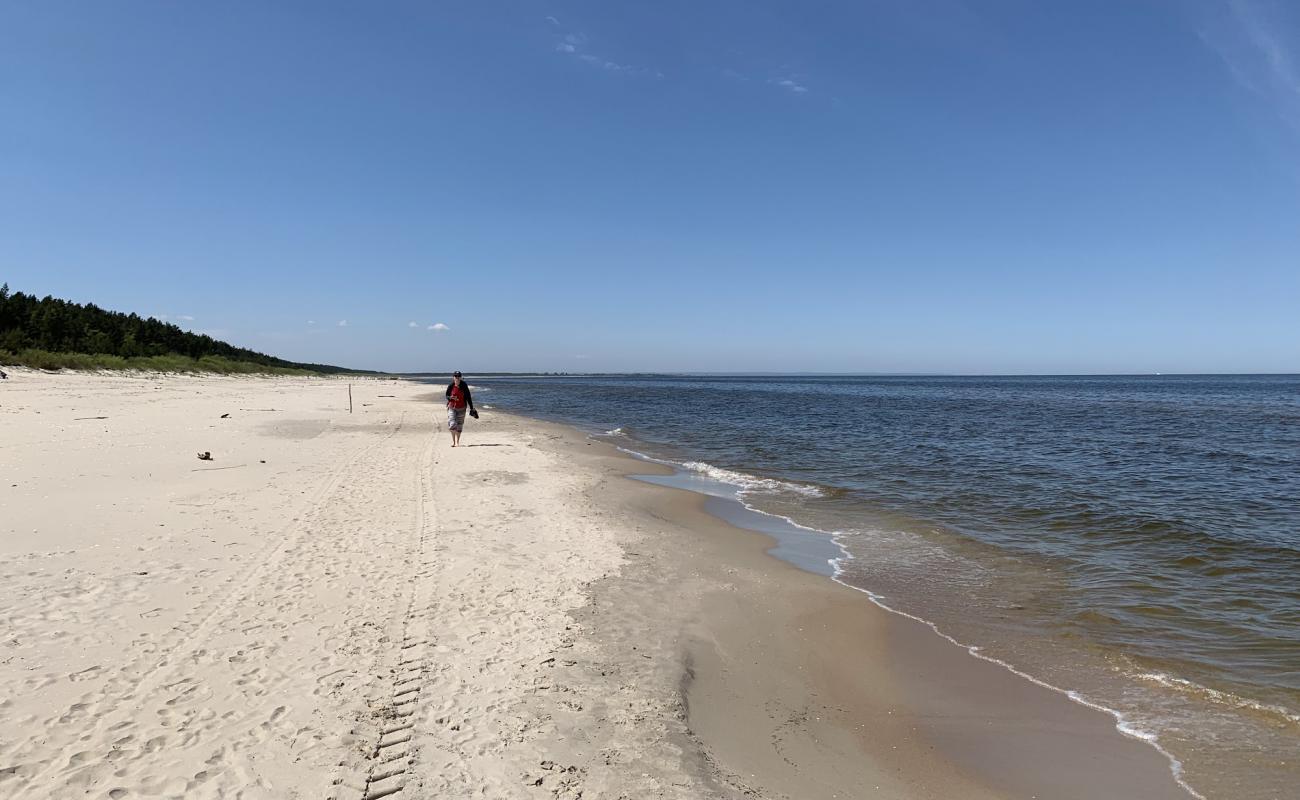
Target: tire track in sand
x=389 y=721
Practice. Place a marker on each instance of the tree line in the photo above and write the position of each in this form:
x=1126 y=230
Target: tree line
x=50 y=325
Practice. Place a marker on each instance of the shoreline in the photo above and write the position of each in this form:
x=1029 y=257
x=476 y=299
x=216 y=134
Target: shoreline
x=342 y=605
x=831 y=609
x=793 y=543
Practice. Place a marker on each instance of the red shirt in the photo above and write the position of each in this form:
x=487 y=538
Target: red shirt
x=455 y=397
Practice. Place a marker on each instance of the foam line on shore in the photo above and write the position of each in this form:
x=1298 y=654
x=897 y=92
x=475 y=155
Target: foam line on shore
x=744 y=483
x=749 y=484
x=1122 y=724
x=1216 y=696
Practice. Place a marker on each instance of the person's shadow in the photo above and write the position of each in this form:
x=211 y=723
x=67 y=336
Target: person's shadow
x=488 y=444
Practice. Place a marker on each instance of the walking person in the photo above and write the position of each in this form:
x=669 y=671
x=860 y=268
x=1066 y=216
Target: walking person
x=458 y=399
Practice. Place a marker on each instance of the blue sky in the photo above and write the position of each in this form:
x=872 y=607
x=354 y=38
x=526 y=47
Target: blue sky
x=935 y=186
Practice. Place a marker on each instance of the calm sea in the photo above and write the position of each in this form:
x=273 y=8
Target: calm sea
x=1133 y=540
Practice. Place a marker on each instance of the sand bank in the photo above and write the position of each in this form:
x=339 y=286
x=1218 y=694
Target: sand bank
x=341 y=606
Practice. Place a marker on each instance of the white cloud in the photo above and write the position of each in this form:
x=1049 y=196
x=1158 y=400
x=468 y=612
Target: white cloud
x=311 y=322
x=185 y=317
x=343 y=323
x=791 y=84
x=439 y=327
x=1251 y=39
x=553 y=21
x=574 y=44
x=412 y=324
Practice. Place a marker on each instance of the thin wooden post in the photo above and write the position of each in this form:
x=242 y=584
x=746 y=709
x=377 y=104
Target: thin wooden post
x=349 y=398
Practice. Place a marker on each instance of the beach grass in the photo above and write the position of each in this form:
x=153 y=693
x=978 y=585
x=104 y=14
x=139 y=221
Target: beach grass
x=43 y=359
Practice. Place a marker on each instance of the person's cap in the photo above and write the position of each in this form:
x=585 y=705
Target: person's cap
x=456 y=374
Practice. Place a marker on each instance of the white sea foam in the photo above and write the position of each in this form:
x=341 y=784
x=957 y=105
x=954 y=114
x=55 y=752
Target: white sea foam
x=750 y=483
x=644 y=457
x=743 y=481
x=616 y=432
x=1217 y=696
x=743 y=484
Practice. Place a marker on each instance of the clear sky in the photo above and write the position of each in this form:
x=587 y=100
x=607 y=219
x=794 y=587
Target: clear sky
x=890 y=186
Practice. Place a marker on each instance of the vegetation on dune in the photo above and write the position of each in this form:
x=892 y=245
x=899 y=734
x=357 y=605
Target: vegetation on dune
x=48 y=333
x=43 y=359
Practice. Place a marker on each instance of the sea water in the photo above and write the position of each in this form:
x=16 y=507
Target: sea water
x=1131 y=541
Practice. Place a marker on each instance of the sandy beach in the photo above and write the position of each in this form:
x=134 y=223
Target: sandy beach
x=339 y=605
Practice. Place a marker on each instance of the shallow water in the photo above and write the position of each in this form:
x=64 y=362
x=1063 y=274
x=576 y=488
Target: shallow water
x=1135 y=540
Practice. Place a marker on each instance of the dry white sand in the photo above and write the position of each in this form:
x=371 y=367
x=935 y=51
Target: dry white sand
x=335 y=606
